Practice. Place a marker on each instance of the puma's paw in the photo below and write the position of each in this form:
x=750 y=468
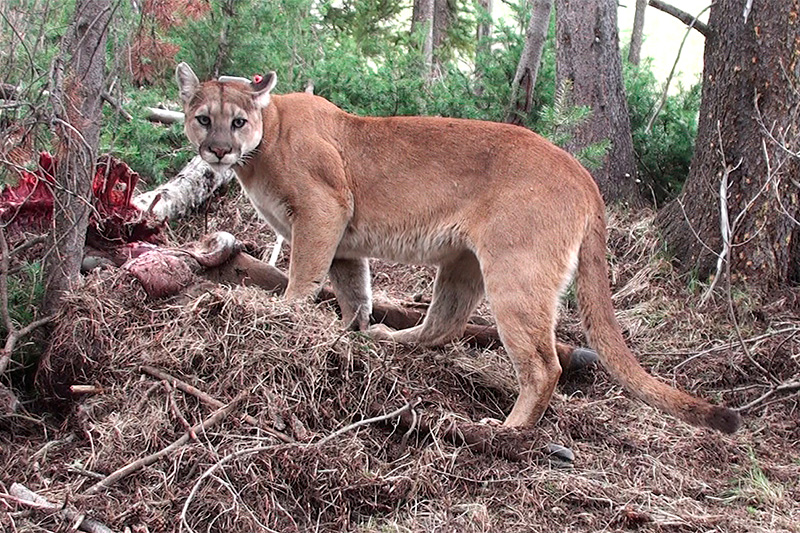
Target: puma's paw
x=558 y=456
x=489 y=421
x=294 y=296
x=357 y=322
x=380 y=332
x=581 y=358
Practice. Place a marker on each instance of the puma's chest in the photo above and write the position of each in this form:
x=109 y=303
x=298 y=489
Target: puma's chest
x=270 y=206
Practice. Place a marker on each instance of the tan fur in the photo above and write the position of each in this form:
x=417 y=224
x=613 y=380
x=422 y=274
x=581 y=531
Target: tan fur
x=496 y=207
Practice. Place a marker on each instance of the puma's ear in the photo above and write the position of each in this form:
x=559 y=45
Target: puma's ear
x=187 y=81
x=262 y=86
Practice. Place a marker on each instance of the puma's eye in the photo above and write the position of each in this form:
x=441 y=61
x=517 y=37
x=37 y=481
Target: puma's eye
x=238 y=123
x=203 y=120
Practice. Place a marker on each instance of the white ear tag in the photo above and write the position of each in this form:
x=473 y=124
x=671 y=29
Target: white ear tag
x=233 y=78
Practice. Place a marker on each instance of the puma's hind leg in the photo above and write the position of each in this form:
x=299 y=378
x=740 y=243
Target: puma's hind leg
x=457 y=289
x=352 y=285
x=524 y=301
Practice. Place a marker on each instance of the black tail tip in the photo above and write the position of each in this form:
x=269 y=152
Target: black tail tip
x=724 y=420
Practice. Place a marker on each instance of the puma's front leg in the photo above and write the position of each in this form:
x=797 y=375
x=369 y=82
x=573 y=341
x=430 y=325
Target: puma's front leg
x=351 y=283
x=316 y=232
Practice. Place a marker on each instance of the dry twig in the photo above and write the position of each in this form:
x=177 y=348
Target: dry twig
x=249 y=451
x=210 y=471
x=388 y=416
x=218 y=416
x=788 y=386
x=209 y=400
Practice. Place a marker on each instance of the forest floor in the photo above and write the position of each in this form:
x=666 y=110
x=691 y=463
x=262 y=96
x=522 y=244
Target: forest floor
x=301 y=378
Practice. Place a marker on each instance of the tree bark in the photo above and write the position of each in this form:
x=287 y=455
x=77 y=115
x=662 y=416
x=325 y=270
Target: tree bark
x=443 y=14
x=747 y=145
x=484 y=28
x=483 y=43
x=422 y=20
x=76 y=97
x=528 y=67
x=228 y=14
x=635 y=49
x=587 y=54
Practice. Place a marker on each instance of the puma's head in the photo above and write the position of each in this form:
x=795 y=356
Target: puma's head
x=223 y=117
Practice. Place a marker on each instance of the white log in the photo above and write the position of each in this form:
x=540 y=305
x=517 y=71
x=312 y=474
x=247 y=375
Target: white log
x=165 y=116
x=185 y=192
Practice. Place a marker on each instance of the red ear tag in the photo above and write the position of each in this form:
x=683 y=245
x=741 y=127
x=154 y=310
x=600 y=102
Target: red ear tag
x=257 y=78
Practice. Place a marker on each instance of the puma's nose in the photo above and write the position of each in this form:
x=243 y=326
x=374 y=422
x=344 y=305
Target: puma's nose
x=220 y=151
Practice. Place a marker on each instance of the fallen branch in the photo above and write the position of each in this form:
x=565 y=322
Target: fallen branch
x=15 y=335
x=176 y=412
x=30 y=243
x=244 y=269
x=85 y=389
x=788 y=386
x=210 y=400
x=22 y=495
x=218 y=416
x=219 y=259
x=116 y=105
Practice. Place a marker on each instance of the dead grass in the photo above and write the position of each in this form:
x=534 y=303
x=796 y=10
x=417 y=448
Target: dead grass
x=635 y=468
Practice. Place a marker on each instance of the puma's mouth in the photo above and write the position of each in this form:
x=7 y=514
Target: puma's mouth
x=219 y=168
x=219 y=163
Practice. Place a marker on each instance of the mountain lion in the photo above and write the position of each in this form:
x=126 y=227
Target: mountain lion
x=498 y=209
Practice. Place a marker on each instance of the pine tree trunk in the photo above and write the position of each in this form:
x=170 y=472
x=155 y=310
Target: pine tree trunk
x=76 y=98
x=750 y=103
x=587 y=54
x=422 y=20
x=229 y=13
x=483 y=44
x=443 y=14
x=524 y=81
x=484 y=29
x=635 y=50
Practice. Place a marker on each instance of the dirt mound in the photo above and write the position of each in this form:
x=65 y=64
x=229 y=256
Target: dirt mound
x=279 y=461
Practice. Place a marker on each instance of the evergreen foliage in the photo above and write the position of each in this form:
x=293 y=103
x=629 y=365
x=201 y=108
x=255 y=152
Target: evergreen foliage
x=25 y=290
x=361 y=55
x=155 y=151
x=665 y=151
x=560 y=118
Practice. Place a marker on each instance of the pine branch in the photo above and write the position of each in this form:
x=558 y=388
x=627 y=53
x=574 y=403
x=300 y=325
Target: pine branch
x=683 y=16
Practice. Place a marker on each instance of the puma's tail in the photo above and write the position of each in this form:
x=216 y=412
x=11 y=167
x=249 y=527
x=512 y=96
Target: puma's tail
x=605 y=336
